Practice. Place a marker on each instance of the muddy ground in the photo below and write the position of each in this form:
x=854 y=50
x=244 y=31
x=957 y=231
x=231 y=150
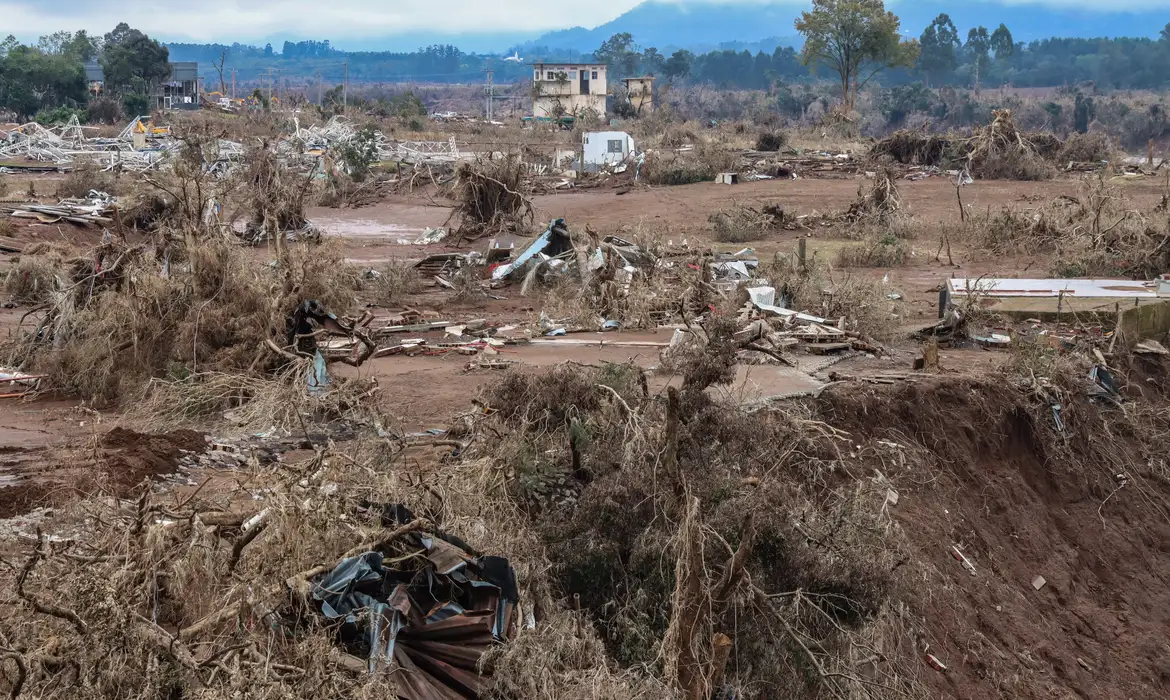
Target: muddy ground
x=1091 y=631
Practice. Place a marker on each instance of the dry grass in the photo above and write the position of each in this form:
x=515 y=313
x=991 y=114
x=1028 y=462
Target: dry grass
x=35 y=278
x=882 y=250
x=103 y=335
x=88 y=177
x=656 y=511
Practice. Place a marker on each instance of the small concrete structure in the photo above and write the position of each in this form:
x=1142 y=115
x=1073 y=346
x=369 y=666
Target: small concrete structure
x=602 y=149
x=641 y=92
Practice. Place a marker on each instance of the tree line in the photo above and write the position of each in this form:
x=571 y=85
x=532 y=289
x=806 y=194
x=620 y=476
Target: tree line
x=48 y=80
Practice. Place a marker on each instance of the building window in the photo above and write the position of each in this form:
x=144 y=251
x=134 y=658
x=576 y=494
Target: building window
x=572 y=75
x=549 y=75
x=616 y=146
x=537 y=76
x=595 y=75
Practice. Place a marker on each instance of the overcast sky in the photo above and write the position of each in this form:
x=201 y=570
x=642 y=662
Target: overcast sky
x=337 y=20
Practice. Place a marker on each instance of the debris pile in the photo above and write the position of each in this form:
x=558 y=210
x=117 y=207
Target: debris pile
x=94 y=209
x=997 y=150
x=139 y=147
x=491 y=199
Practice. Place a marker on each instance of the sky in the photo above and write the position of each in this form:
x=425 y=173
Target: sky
x=226 y=21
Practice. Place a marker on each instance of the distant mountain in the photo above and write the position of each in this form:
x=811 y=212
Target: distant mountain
x=701 y=25
x=694 y=25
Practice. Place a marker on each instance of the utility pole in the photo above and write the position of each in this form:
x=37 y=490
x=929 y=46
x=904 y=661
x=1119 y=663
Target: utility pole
x=345 y=90
x=490 y=91
x=279 y=88
x=320 y=91
x=233 y=83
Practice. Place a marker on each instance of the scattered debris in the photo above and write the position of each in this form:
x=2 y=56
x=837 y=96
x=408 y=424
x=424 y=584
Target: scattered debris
x=962 y=559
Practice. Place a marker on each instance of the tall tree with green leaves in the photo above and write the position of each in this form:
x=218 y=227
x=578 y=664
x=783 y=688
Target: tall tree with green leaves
x=979 y=46
x=1002 y=43
x=678 y=66
x=132 y=61
x=653 y=61
x=79 y=45
x=856 y=39
x=938 y=44
x=32 y=80
x=620 y=54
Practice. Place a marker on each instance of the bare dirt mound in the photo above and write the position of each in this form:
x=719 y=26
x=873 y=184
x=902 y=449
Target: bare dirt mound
x=129 y=457
x=123 y=459
x=1066 y=533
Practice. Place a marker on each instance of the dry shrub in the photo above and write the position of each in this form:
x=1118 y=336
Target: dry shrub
x=1086 y=148
x=741 y=223
x=603 y=479
x=89 y=177
x=701 y=164
x=492 y=198
x=36 y=276
x=881 y=204
x=822 y=291
x=677 y=137
x=276 y=196
x=771 y=141
x=104 y=334
x=396 y=280
x=883 y=250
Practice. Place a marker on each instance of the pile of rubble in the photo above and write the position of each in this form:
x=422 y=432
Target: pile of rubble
x=96 y=208
x=139 y=147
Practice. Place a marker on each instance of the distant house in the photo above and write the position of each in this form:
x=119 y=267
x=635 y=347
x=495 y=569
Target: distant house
x=641 y=92
x=564 y=89
x=95 y=78
x=181 y=91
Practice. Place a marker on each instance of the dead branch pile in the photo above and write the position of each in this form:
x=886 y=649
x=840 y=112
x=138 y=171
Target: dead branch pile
x=492 y=199
x=914 y=148
x=880 y=204
x=121 y=314
x=999 y=151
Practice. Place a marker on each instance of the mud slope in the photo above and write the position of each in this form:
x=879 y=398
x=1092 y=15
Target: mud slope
x=981 y=466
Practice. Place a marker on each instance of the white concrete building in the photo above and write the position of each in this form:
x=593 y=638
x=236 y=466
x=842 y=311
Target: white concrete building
x=568 y=89
x=602 y=149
